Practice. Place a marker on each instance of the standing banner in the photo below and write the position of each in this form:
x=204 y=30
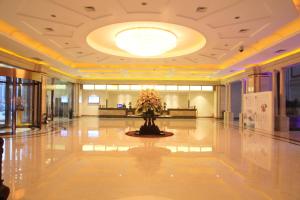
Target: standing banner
x=258 y=111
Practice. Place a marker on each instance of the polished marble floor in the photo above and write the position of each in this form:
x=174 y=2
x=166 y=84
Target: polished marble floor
x=92 y=158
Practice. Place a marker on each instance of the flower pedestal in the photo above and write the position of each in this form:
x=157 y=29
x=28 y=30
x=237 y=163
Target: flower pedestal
x=149 y=127
x=148 y=104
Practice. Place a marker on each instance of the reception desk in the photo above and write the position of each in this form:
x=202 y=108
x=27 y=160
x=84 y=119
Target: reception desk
x=170 y=113
x=112 y=112
x=182 y=113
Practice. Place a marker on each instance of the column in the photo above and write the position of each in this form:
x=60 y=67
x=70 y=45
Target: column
x=282 y=120
x=14 y=112
x=217 y=101
x=274 y=91
x=243 y=84
x=228 y=115
x=43 y=96
x=76 y=103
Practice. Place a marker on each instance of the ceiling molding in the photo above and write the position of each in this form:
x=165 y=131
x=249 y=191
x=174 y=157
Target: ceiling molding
x=59 y=48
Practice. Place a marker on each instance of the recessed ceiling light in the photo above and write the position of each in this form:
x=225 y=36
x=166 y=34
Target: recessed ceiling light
x=146 y=42
x=243 y=30
x=36 y=58
x=144 y=3
x=49 y=29
x=280 y=51
x=201 y=9
x=90 y=8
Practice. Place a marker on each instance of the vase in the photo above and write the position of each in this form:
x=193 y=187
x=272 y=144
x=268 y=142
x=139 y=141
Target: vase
x=149 y=127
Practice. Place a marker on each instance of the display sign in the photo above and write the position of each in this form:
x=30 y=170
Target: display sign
x=64 y=99
x=258 y=111
x=93 y=133
x=94 y=99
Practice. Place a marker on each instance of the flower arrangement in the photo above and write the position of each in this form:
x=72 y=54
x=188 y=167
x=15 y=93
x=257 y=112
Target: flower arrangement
x=148 y=100
x=19 y=104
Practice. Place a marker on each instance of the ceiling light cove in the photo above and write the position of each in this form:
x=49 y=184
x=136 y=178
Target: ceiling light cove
x=146 y=40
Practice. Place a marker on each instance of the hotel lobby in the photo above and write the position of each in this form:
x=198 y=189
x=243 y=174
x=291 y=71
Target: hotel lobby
x=149 y=99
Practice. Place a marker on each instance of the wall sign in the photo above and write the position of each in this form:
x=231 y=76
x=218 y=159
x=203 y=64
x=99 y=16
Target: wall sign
x=258 y=111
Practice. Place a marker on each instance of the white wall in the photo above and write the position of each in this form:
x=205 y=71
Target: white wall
x=203 y=101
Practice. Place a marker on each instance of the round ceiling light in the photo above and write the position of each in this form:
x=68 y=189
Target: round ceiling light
x=146 y=42
x=146 y=39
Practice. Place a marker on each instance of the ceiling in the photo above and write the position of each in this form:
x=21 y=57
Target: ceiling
x=56 y=31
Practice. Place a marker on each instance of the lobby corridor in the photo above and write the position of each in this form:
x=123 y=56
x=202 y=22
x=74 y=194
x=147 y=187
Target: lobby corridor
x=92 y=158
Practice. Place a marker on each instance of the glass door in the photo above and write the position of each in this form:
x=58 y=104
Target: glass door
x=5 y=104
x=24 y=103
x=2 y=102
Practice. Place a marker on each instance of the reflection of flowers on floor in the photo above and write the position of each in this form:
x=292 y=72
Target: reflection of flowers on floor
x=264 y=107
x=149 y=157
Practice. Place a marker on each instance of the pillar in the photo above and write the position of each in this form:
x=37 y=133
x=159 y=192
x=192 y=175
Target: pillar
x=228 y=115
x=76 y=96
x=217 y=101
x=275 y=91
x=43 y=95
x=282 y=121
x=242 y=103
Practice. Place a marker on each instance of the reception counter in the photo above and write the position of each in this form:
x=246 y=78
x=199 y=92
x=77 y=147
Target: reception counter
x=170 y=113
x=112 y=112
x=182 y=113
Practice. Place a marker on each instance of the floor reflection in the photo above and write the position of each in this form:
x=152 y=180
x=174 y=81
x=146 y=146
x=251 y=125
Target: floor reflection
x=93 y=159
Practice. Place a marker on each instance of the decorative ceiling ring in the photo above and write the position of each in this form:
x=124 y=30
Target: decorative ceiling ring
x=146 y=39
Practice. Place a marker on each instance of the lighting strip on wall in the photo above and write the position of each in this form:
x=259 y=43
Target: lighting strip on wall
x=193 y=88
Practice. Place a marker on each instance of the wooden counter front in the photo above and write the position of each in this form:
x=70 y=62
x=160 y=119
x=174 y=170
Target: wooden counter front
x=182 y=113
x=112 y=112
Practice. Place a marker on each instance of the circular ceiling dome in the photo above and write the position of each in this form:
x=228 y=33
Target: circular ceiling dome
x=146 y=39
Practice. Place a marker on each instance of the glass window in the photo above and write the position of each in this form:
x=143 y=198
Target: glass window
x=136 y=87
x=207 y=88
x=195 y=88
x=100 y=87
x=171 y=87
x=183 y=88
x=124 y=87
x=148 y=87
x=160 y=87
x=88 y=87
x=112 y=87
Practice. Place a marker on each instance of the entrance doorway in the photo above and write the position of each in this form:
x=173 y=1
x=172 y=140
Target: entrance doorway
x=20 y=100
